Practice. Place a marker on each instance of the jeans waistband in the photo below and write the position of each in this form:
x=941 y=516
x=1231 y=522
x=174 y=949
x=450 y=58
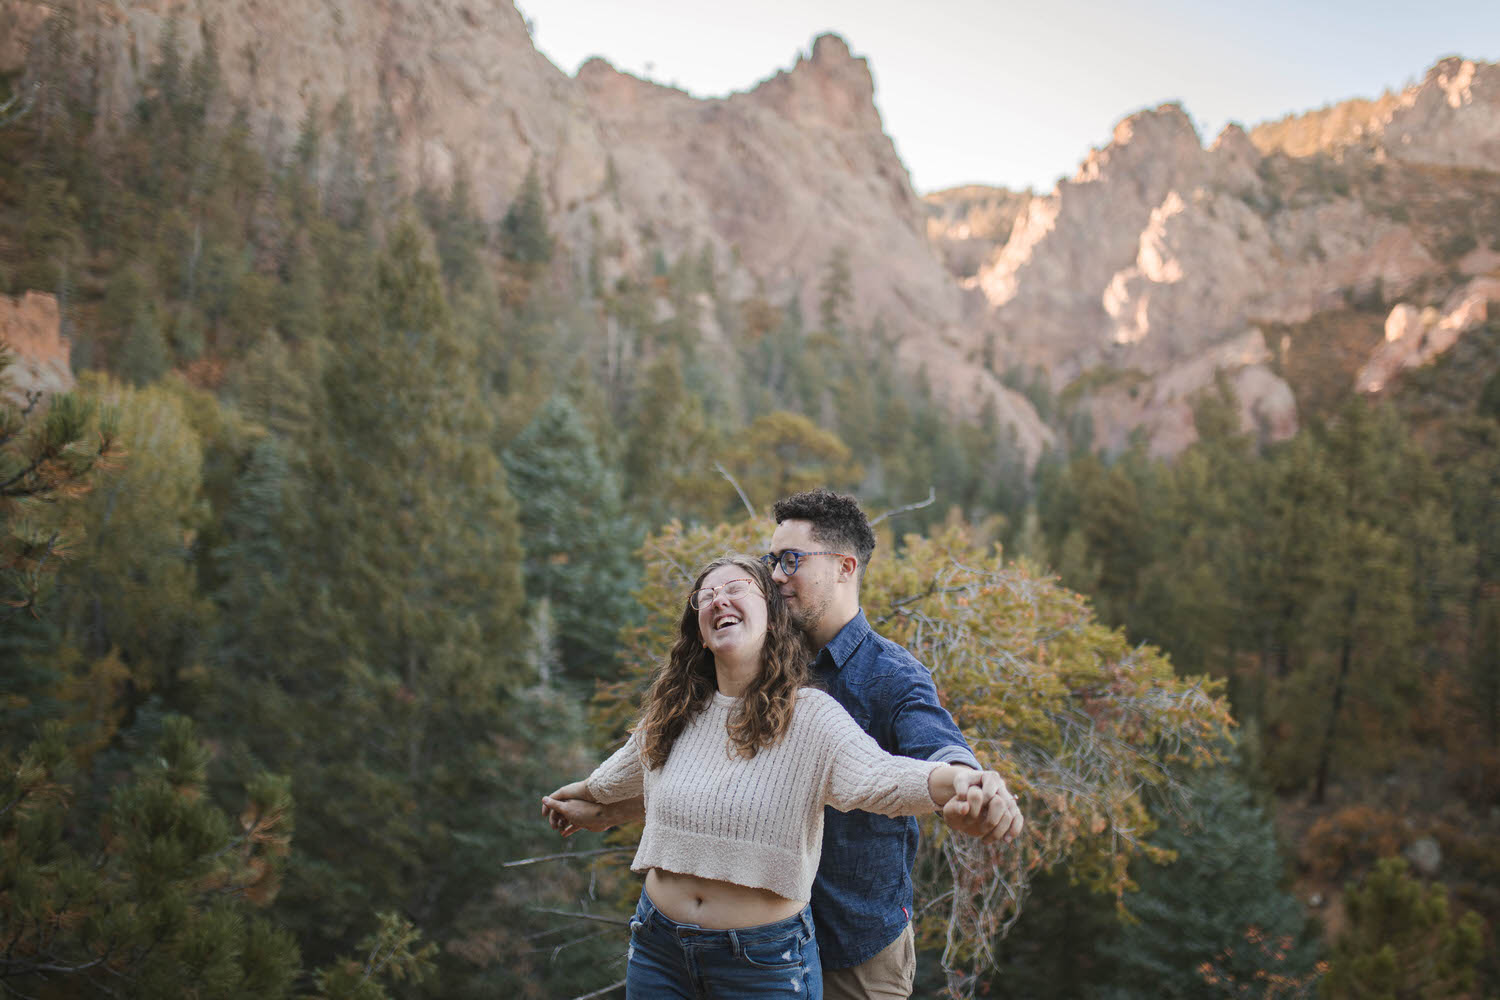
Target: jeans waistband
x=647 y=913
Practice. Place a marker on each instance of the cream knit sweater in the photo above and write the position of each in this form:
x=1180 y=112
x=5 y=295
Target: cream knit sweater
x=759 y=822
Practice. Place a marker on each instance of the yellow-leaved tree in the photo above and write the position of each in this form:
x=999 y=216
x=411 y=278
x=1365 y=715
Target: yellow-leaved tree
x=1083 y=725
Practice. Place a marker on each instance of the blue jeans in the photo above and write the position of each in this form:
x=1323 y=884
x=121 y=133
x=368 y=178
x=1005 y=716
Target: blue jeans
x=684 y=961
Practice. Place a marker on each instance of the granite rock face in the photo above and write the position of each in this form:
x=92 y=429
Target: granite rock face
x=30 y=329
x=1451 y=118
x=1160 y=257
x=773 y=181
x=966 y=224
x=1416 y=336
x=1160 y=254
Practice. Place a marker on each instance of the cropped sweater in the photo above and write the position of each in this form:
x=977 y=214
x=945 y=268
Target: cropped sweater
x=759 y=822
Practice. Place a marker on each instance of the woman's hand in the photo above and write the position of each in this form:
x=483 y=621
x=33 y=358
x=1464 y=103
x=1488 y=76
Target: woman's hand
x=976 y=802
x=947 y=783
x=572 y=808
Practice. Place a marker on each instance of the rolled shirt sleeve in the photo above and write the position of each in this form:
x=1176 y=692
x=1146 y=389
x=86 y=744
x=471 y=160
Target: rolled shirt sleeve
x=920 y=726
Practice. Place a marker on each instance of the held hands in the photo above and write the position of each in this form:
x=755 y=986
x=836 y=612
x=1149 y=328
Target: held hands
x=571 y=809
x=983 y=807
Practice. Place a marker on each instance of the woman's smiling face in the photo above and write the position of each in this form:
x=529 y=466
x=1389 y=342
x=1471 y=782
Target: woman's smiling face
x=733 y=627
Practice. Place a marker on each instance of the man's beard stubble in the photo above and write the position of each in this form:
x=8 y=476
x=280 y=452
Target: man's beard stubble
x=808 y=617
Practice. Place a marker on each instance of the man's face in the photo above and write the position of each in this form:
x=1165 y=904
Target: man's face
x=810 y=590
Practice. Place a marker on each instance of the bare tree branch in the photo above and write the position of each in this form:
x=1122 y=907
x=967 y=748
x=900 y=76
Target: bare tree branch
x=579 y=916
x=599 y=993
x=743 y=499
x=931 y=499
x=675 y=564
x=7 y=117
x=566 y=854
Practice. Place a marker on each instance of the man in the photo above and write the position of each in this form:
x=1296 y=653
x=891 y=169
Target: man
x=862 y=897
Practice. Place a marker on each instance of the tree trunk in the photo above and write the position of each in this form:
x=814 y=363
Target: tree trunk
x=1346 y=659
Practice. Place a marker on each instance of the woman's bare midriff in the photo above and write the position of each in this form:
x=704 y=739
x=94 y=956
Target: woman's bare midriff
x=715 y=905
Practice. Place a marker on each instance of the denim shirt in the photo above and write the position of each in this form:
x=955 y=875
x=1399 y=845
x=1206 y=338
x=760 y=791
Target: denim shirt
x=862 y=897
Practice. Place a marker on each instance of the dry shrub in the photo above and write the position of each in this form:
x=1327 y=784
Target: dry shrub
x=1349 y=840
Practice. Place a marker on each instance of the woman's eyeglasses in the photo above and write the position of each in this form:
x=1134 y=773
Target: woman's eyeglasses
x=734 y=590
x=790 y=559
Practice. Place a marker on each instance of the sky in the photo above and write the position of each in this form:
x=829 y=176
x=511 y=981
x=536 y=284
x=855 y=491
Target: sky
x=1016 y=93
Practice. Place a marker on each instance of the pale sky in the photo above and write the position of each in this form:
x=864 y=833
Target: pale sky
x=1015 y=94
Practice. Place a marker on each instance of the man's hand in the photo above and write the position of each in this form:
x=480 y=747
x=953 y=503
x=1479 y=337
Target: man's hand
x=571 y=809
x=986 y=809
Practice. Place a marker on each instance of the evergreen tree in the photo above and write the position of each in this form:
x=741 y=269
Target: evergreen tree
x=836 y=292
x=407 y=631
x=146 y=355
x=669 y=451
x=1363 y=616
x=1472 y=455
x=48 y=454
x=579 y=544
x=50 y=234
x=1402 y=943
x=249 y=680
x=1060 y=946
x=1196 y=913
x=523 y=231
x=156 y=897
x=130 y=604
x=51 y=453
x=781 y=453
x=344 y=197
x=458 y=231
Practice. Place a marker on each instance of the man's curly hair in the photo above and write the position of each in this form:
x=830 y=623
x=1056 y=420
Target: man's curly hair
x=837 y=521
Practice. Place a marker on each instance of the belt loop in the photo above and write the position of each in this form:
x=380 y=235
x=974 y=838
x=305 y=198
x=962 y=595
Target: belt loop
x=807 y=921
x=734 y=944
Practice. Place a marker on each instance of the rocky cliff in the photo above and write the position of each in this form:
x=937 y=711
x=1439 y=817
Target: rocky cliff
x=774 y=180
x=1166 y=261
x=31 y=332
x=1160 y=259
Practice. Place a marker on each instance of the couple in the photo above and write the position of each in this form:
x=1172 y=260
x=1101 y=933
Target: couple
x=736 y=757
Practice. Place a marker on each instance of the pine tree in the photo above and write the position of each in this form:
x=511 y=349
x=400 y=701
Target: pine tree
x=1192 y=923
x=579 y=544
x=781 y=453
x=49 y=451
x=1058 y=948
x=1472 y=453
x=158 y=896
x=132 y=597
x=669 y=451
x=523 y=231
x=1363 y=615
x=1402 y=943
x=836 y=293
x=406 y=630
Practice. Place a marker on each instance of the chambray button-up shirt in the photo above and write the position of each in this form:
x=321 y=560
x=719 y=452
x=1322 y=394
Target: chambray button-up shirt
x=862 y=897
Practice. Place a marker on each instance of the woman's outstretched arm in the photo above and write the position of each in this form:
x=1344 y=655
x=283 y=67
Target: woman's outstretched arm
x=570 y=810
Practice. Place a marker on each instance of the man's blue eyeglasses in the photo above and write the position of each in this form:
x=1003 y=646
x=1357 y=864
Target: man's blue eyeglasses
x=790 y=559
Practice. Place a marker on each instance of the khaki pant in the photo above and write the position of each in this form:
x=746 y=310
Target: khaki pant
x=888 y=975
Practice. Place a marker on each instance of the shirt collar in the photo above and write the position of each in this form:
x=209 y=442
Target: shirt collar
x=847 y=641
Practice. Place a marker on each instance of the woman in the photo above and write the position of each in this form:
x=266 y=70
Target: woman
x=736 y=758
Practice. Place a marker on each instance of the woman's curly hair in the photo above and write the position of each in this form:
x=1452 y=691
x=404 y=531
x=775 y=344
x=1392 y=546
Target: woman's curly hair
x=685 y=682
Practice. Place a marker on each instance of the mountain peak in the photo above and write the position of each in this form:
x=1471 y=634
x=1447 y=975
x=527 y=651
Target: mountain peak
x=831 y=48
